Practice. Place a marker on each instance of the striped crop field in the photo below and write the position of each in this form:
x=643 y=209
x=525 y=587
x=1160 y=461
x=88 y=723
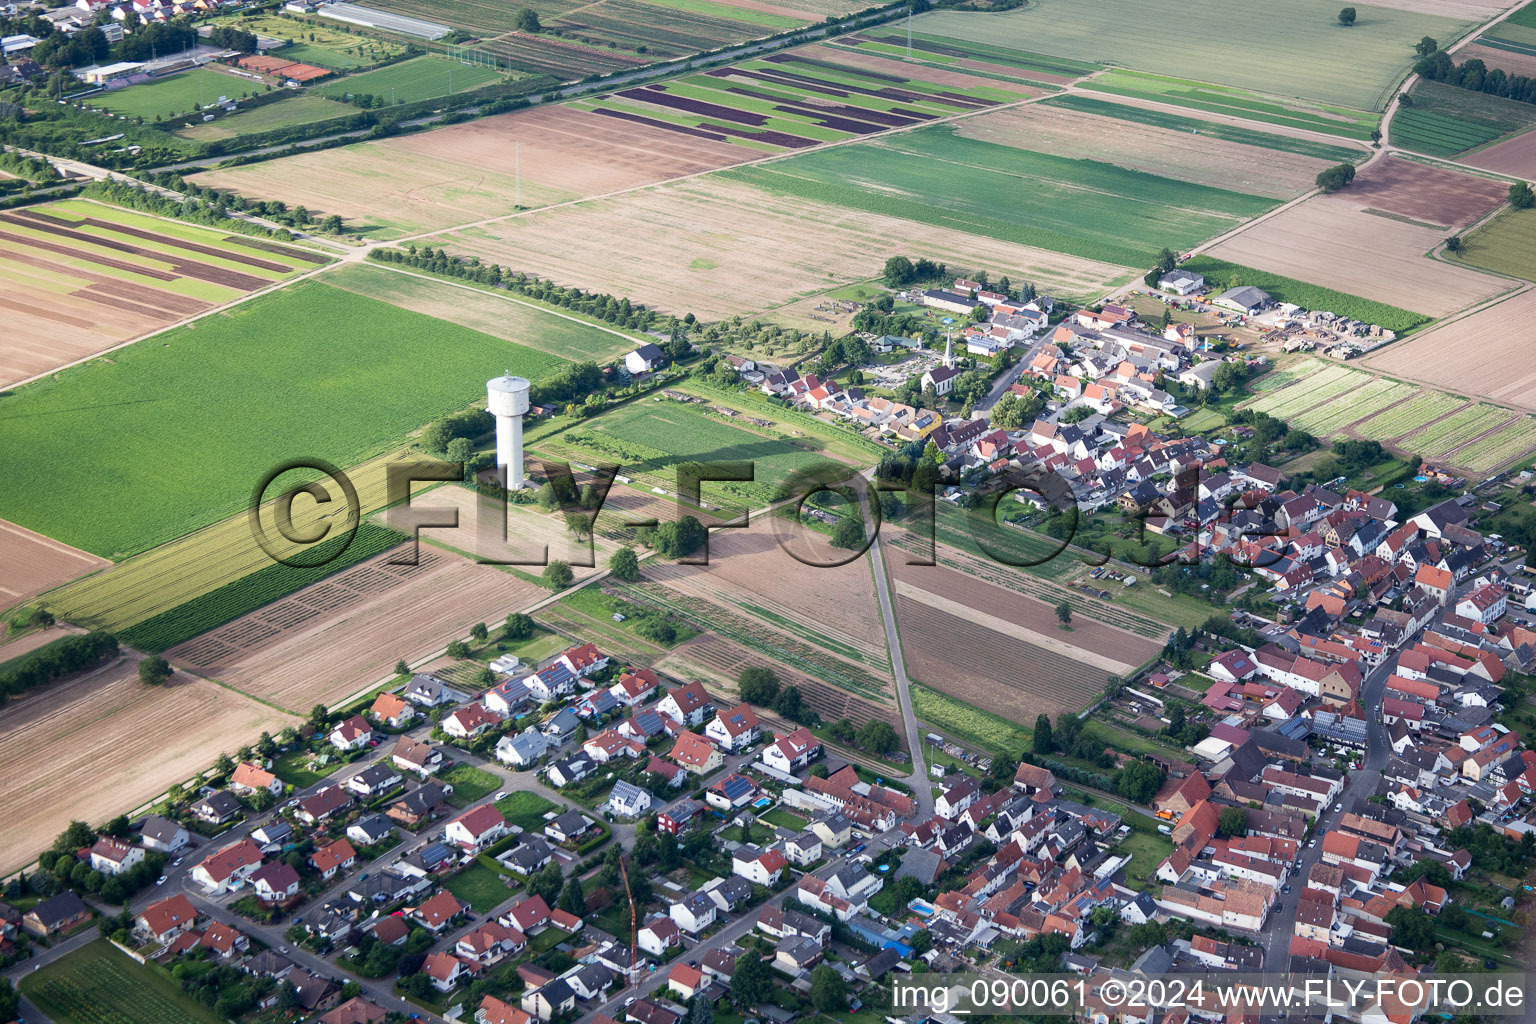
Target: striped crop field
x=1328 y=383
x=795 y=100
x=1356 y=404
x=1406 y=417
x=1274 y=380
x=1491 y=452
x=1455 y=430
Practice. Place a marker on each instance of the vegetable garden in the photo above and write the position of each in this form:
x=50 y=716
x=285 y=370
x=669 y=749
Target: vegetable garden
x=97 y=984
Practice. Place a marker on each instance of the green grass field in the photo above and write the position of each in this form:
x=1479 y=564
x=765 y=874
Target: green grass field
x=1506 y=244
x=1213 y=129
x=1307 y=296
x=423 y=78
x=299 y=108
x=480 y=887
x=525 y=810
x=1293 y=49
x=1445 y=120
x=470 y=783
x=484 y=309
x=968 y=725
x=182 y=430
x=177 y=95
x=1328 y=119
x=98 y=984
x=652 y=438
x=1086 y=208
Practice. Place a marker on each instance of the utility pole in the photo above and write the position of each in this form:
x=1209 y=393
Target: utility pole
x=517 y=163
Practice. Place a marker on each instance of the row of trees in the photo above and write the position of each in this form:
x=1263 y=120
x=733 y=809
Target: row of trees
x=761 y=686
x=1475 y=75
x=1138 y=781
x=54 y=660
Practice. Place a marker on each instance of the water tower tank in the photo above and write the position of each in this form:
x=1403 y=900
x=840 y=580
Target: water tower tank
x=507 y=396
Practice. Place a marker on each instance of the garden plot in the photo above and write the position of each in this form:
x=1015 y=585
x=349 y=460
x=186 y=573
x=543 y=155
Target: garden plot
x=718 y=248
x=1477 y=355
x=1496 y=448
x=1408 y=416
x=1274 y=380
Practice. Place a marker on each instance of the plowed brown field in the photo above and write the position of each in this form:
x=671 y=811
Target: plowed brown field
x=104 y=743
x=34 y=563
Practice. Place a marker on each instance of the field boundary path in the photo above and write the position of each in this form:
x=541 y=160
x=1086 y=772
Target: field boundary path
x=922 y=791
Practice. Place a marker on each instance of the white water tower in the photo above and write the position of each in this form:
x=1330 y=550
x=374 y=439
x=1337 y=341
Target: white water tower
x=506 y=398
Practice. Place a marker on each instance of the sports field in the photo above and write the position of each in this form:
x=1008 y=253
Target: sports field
x=179 y=95
x=1293 y=49
x=423 y=78
x=1506 y=244
x=82 y=276
x=316 y=41
x=302 y=108
x=1087 y=208
x=98 y=984
x=651 y=438
x=307 y=372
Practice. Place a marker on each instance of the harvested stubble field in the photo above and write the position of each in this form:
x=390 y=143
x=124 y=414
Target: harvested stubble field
x=1204 y=159
x=1283 y=112
x=466 y=173
x=993 y=671
x=328 y=641
x=83 y=276
x=994 y=61
x=870 y=53
x=103 y=743
x=34 y=563
x=496 y=313
x=718 y=248
x=1479 y=354
x=1321 y=60
x=280 y=395
x=1506 y=244
x=748 y=570
x=1332 y=242
x=530 y=534
x=1088 y=208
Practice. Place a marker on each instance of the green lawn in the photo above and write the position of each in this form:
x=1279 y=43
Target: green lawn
x=1220 y=42
x=422 y=78
x=98 y=984
x=783 y=817
x=299 y=108
x=1086 y=208
x=525 y=810
x=291 y=768
x=548 y=939
x=480 y=887
x=177 y=95
x=180 y=431
x=470 y=783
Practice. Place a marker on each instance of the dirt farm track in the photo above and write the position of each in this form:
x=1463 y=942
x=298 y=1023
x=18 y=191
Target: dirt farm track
x=103 y=743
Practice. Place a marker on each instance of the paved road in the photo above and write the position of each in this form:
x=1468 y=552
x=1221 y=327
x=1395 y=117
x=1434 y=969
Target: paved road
x=922 y=789
x=1358 y=787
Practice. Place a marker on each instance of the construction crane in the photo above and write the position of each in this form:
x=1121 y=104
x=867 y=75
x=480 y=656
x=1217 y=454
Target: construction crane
x=634 y=959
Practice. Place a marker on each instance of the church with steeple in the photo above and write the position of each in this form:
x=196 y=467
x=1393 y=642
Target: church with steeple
x=942 y=378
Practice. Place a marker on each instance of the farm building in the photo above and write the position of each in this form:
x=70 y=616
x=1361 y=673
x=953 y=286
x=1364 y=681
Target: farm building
x=1245 y=299
x=1182 y=282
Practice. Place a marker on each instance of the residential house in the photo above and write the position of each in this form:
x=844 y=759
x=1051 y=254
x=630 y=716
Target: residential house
x=165 y=919
x=392 y=711
x=163 y=835
x=113 y=856
x=695 y=753
x=414 y=756
x=353 y=733
x=275 y=882
x=229 y=867
x=735 y=729
x=56 y=914
x=249 y=778
x=470 y=722
x=333 y=857
x=689 y=704
x=477 y=828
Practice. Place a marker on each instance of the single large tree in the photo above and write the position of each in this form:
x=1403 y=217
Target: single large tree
x=154 y=670
x=877 y=736
x=527 y=20
x=829 y=992
x=625 y=565
x=558 y=575
x=1335 y=177
x=752 y=982
x=1044 y=743
x=1347 y=17
x=758 y=685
